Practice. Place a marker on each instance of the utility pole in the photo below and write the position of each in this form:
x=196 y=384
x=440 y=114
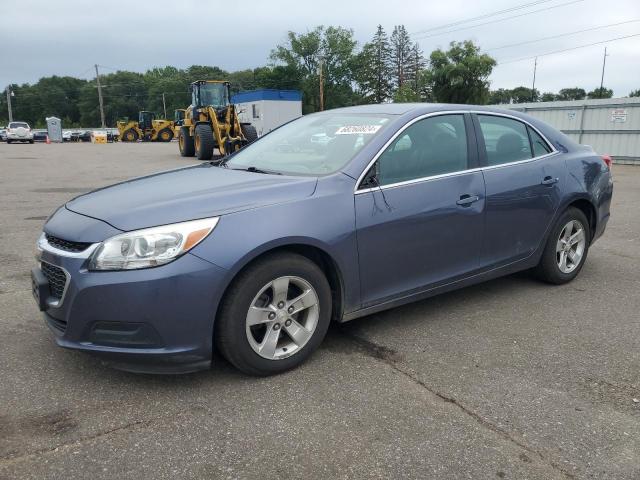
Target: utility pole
x=9 y=95
x=533 y=85
x=321 y=83
x=604 y=62
x=164 y=106
x=100 y=98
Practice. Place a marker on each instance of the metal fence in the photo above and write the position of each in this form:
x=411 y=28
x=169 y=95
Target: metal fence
x=611 y=126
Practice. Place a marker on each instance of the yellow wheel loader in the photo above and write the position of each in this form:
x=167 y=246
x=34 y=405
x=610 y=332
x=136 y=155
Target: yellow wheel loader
x=211 y=122
x=148 y=129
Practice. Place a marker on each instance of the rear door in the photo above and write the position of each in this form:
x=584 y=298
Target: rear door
x=419 y=209
x=523 y=177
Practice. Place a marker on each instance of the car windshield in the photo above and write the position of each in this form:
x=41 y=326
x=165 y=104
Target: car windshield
x=317 y=144
x=18 y=125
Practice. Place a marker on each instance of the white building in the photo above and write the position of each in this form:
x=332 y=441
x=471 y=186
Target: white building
x=268 y=109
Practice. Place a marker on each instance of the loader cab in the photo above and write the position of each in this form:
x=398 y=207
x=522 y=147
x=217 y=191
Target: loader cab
x=145 y=119
x=210 y=94
x=178 y=116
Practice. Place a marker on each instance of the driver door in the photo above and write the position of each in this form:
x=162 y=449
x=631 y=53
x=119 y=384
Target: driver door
x=420 y=210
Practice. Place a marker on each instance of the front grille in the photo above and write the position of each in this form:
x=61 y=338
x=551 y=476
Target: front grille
x=66 y=245
x=56 y=277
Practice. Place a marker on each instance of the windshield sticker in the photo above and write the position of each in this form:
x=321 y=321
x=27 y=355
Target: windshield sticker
x=358 y=129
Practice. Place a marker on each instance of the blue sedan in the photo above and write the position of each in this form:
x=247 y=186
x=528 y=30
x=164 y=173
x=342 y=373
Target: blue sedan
x=333 y=216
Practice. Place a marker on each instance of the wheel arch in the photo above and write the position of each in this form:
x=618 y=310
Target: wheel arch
x=312 y=252
x=586 y=206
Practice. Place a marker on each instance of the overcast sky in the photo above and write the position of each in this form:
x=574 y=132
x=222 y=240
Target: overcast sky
x=43 y=38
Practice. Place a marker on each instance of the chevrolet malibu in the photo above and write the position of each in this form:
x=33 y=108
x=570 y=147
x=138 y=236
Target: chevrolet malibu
x=256 y=255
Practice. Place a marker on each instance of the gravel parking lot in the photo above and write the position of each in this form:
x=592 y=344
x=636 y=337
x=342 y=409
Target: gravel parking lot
x=509 y=379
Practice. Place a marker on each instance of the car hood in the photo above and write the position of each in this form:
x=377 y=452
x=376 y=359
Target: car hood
x=189 y=193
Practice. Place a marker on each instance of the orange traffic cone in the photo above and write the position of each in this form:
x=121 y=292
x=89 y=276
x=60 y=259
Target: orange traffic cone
x=48 y=141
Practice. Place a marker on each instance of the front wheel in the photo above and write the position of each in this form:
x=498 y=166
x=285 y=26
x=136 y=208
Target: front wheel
x=274 y=315
x=566 y=249
x=165 y=135
x=204 y=142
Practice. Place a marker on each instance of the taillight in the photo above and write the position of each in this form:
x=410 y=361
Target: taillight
x=607 y=159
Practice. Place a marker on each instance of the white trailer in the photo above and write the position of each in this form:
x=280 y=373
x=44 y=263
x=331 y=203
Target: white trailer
x=268 y=109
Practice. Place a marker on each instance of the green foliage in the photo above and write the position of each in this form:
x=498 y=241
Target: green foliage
x=303 y=54
x=548 y=97
x=373 y=69
x=401 y=50
x=600 y=93
x=406 y=94
x=635 y=93
x=460 y=75
x=574 y=93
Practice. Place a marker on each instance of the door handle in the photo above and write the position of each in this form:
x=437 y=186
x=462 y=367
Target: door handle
x=549 y=180
x=466 y=200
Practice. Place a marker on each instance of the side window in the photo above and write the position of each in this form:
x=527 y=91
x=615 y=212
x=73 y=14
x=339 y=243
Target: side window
x=540 y=147
x=505 y=139
x=433 y=146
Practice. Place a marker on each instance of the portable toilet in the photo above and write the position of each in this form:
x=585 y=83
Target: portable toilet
x=54 y=129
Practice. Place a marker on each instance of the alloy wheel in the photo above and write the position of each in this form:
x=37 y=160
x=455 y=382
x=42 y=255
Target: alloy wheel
x=282 y=317
x=570 y=246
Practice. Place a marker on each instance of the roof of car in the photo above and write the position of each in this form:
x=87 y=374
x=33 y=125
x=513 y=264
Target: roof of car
x=402 y=108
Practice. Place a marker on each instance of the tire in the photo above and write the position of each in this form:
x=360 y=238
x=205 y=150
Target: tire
x=249 y=132
x=185 y=143
x=550 y=268
x=31 y=141
x=130 y=136
x=8 y=142
x=240 y=344
x=165 y=135
x=204 y=142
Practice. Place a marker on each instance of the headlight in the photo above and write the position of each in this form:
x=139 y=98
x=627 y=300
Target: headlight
x=150 y=247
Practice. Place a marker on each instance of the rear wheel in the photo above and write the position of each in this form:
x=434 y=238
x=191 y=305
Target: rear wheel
x=204 y=142
x=274 y=315
x=185 y=143
x=130 y=136
x=566 y=249
x=165 y=135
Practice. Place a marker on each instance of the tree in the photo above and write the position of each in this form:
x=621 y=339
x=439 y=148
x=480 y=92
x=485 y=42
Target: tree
x=635 y=93
x=574 y=93
x=373 y=70
x=500 y=96
x=406 y=94
x=600 y=92
x=416 y=65
x=460 y=75
x=548 y=97
x=524 y=95
x=401 y=48
x=334 y=47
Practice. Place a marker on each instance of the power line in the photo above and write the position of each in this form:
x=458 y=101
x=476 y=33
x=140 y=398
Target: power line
x=568 y=49
x=480 y=17
x=499 y=20
x=559 y=35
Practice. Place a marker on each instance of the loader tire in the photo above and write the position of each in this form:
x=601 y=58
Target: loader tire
x=185 y=143
x=165 y=135
x=204 y=142
x=249 y=132
x=130 y=136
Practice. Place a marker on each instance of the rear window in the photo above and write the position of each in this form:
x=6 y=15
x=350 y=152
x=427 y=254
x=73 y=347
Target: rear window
x=18 y=125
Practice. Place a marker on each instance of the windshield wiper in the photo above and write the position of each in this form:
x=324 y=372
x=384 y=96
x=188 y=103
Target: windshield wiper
x=257 y=170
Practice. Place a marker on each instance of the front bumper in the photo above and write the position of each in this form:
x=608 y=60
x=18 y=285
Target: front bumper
x=156 y=320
